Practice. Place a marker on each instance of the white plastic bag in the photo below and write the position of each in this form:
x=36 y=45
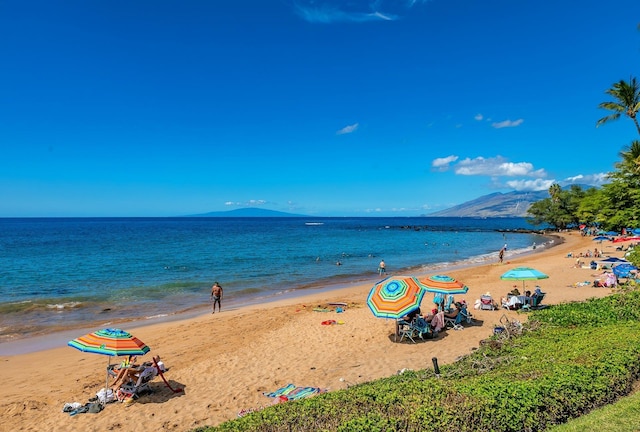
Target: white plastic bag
x=105 y=395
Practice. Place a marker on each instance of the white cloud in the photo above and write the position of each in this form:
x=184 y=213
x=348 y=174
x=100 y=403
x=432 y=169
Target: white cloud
x=596 y=180
x=442 y=164
x=348 y=129
x=497 y=166
x=250 y=203
x=507 y=123
x=539 y=184
x=478 y=117
x=530 y=185
x=325 y=13
x=332 y=11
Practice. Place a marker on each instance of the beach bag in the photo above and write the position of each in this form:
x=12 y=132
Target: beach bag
x=94 y=408
x=105 y=396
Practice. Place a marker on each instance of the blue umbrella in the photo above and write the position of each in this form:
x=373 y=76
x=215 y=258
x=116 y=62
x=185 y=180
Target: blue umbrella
x=523 y=274
x=624 y=270
x=601 y=238
x=613 y=260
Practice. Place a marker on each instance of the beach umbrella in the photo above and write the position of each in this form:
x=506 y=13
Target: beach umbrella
x=601 y=238
x=624 y=270
x=523 y=274
x=110 y=342
x=395 y=296
x=444 y=284
x=613 y=260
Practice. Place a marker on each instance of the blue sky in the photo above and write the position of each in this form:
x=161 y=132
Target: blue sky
x=328 y=108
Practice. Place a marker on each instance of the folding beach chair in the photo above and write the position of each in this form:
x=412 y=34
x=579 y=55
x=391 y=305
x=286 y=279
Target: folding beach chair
x=135 y=389
x=457 y=322
x=486 y=302
x=418 y=327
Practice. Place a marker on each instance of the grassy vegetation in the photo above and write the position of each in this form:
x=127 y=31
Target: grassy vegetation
x=622 y=416
x=566 y=361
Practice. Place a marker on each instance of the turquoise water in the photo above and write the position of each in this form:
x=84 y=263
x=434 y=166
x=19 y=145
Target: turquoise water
x=62 y=273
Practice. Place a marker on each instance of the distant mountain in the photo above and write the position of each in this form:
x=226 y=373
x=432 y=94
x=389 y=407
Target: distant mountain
x=248 y=212
x=511 y=204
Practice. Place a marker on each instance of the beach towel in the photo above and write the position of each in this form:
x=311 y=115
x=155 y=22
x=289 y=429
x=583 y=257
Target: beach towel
x=292 y=392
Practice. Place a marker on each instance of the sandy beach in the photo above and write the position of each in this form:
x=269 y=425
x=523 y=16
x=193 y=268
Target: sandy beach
x=226 y=361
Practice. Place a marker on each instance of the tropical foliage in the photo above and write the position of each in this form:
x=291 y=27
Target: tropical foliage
x=626 y=100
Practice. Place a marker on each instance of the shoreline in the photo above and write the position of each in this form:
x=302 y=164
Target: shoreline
x=118 y=283
x=226 y=361
x=52 y=339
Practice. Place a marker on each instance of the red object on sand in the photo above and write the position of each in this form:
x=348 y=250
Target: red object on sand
x=623 y=239
x=179 y=390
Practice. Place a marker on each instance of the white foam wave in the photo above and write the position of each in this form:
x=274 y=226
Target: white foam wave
x=156 y=316
x=60 y=306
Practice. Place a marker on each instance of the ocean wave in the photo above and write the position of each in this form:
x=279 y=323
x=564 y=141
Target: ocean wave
x=59 y=306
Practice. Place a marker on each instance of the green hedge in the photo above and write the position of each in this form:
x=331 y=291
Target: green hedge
x=581 y=356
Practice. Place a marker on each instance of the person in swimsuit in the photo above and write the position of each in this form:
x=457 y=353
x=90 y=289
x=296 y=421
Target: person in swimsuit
x=216 y=296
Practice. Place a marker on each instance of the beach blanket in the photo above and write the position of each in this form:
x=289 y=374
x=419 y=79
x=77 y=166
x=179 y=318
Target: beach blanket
x=293 y=392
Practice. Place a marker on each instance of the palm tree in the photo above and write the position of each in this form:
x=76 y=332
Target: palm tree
x=630 y=158
x=554 y=192
x=626 y=97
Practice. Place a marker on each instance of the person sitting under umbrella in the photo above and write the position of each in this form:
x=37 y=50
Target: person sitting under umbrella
x=411 y=315
x=121 y=369
x=134 y=373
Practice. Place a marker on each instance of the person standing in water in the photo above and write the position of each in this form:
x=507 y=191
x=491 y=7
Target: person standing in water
x=216 y=296
x=382 y=268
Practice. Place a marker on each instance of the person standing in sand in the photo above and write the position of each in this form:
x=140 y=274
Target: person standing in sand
x=216 y=296
x=501 y=255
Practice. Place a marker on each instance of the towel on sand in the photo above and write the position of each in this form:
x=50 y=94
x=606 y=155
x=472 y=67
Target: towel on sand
x=292 y=392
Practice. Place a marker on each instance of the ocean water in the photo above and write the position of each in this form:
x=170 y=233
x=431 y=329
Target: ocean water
x=63 y=273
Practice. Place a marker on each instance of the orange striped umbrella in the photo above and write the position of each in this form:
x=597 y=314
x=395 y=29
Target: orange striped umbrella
x=444 y=285
x=396 y=296
x=110 y=342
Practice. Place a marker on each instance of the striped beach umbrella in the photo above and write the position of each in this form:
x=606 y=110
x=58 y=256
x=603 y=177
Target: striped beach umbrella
x=444 y=284
x=110 y=342
x=395 y=296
